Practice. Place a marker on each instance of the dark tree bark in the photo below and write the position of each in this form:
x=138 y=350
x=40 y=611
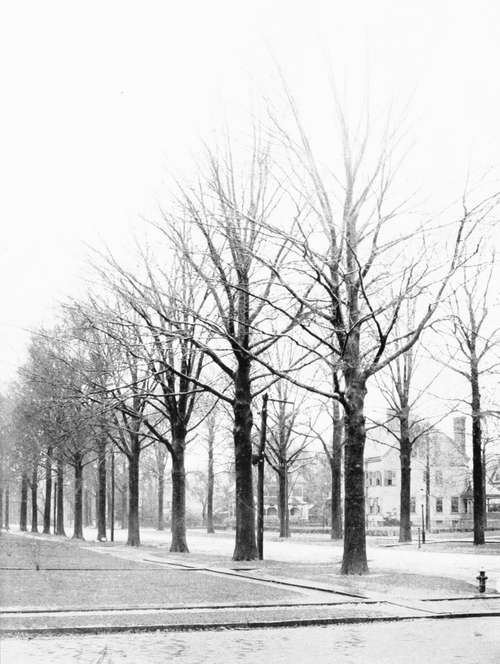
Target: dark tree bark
x=335 y=460
x=34 y=498
x=48 y=491
x=23 y=514
x=133 y=538
x=78 y=497
x=477 y=462
x=354 y=560
x=210 y=484
x=60 y=498
x=283 y=501
x=108 y=507
x=101 y=491
x=54 y=504
x=405 y=492
x=245 y=546
x=123 y=511
x=178 y=525
x=1 y=508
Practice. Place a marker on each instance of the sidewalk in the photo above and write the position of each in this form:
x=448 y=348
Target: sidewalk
x=91 y=587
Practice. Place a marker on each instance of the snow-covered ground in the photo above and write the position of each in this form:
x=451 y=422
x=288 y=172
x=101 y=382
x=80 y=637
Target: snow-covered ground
x=313 y=549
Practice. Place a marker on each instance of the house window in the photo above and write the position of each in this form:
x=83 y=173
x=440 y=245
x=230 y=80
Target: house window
x=378 y=478
x=389 y=478
x=413 y=505
x=454 y=505
x=439 y=505
x=373 y=506
x=493 y=504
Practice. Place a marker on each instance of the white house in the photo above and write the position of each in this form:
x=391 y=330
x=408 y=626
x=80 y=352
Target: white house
x=439 y=479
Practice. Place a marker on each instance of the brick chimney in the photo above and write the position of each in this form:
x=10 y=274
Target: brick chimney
x=459 y=433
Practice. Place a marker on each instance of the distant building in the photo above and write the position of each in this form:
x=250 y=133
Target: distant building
x=298 y=507
x=440 y=480
x=492 y=491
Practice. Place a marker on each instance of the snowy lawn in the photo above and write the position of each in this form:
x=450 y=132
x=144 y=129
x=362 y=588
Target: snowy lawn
x=73 y=577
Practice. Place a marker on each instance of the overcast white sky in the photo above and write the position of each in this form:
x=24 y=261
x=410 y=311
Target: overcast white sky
x=102 y=100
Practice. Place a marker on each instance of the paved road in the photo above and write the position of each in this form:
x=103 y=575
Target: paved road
x=471 y=641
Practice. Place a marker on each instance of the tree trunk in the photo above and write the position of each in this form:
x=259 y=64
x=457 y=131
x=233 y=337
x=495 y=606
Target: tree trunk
x=60 y=498
x=178 y=525
x=1 y=507
x=133 y=538
x=161 y=495
x=54 y=503
x=405 y=491
x=78 y=509
x=245 y=545
x=336 y=472
x=354 y=559
x=101 y=491
x=23 y=513
x=34 y=498
x=477 y=465
x=283 y=501
x=124 y=504
x=48 y=491
x=210 y=485
x=87 y=509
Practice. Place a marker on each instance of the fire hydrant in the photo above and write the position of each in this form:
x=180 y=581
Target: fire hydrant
x=482 y=578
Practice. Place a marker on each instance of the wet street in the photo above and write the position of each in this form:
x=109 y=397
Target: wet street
x=471 y=640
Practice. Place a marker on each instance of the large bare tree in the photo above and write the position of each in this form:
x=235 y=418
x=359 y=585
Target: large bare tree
x=227 y=212
x=166 y=310
x=473 y=343
x=359 y=262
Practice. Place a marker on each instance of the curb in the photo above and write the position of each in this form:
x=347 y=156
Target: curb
x=263 y=624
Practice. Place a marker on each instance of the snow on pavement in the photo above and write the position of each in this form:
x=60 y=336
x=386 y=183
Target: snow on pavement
x=312 y=549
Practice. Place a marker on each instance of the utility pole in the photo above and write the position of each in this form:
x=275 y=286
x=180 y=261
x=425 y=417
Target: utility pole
x=260 y=478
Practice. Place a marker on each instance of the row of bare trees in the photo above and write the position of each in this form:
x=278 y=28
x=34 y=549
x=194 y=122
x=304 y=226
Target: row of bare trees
x=280 y=264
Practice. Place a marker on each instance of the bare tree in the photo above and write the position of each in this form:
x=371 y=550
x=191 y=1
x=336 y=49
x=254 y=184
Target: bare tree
x=211 y=427
x=161 y=465
x=352 y=267
x=166 y=307
x=403 y=424
x=474 y=340
x=121 y=384
x=333 y=447
x=287 y=441
x=225 y=212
